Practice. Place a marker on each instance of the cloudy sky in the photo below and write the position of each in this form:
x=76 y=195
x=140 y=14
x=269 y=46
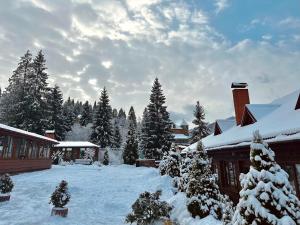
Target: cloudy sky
x=195 y=47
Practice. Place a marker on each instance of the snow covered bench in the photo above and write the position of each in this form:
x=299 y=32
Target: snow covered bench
x=83 y=161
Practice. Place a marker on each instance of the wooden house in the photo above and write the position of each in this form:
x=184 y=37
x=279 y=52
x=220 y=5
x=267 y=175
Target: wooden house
x=278 y=123
x=22 y=151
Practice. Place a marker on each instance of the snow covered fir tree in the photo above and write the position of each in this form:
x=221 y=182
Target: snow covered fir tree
x=148 y=209
x=200 y=130
x=130 y=154
x=266 y=197
x=6 y=184
x=117 y=138
x=102 y=127
x=170 y=165
x=156 y=134
x=106 y=158
x=203 y=194
x=87 y=115
x=61 y=196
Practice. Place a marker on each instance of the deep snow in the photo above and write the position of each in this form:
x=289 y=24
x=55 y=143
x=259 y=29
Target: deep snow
x=99 y=196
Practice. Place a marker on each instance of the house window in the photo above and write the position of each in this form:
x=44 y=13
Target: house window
x=41 y=151
x=8 y=151
x=22 y=149
x=290 y=172
x=29 y=150
x=2 y=144
x=230 y=174
x=34 y=151
x=298 y=174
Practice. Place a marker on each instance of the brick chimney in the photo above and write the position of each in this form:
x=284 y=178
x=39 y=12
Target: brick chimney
x=50 y=134
x=240 y=99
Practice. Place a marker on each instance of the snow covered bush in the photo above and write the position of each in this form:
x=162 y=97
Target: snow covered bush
x=61 y=196
x=266 y=196
x=228 y=210
x=6 y=184
x=57 y=157
x=89 y=153
x=184 y=173
x=203 y=195
x=148 y=209
x=106 y=158
x=170 y=165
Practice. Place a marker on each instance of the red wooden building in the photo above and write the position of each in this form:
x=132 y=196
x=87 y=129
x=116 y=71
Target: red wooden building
x=278 y=123
x=22 y=151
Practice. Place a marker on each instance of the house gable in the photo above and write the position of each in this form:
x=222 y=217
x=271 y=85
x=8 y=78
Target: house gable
x=247 y=118
x=217 y=129
x=298 y=103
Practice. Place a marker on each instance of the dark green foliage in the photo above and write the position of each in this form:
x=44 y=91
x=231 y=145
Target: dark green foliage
x=200 y=130
x=86 y=116
x=116 y=139
x=56 y=118
x=106 y=158
x=148 y=208
x=156 y=133
x=102 y=128
x=61 y=196
x=130 y=154
x=6 y=184
x=132 y=117
x=170 y=165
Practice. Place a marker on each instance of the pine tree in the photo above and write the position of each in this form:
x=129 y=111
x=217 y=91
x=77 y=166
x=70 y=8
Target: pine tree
x=86 y=116
x=35 y=108
x=117 y=139
x=130 y=154
x=56 y=118
x=143 y=134
x=61 y=196
x=203 y=193
x=106 y=158
x=12 y=101
x=102 y=128
x=266 y=196
x=157 y=135
x=200 y=130
x=68 y=113
x=170 y=165
x=6 y=184
x=132 y=117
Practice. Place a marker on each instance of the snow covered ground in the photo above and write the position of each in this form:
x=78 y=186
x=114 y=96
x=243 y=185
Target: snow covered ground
x=99 y=195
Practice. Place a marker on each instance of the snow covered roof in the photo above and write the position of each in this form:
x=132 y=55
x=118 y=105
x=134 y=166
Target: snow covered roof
x=50 y=131
x=226 y=124
x=73 y=144
x=184 y=123
x=281 y=124
x=261 y=110
x=27 y=133
x=181 y=136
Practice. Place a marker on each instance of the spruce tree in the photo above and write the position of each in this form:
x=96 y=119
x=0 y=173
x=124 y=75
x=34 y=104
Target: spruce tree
x=86 y=116
x=266 y=197
x=130 y=154
x=143 y=138
x=106 y=158
x=12 y=101
x=132 y=117
x=102 y=128
x=200 y=130
x=68 y=113
x=203 y=195
x=35 y=108
x=56 y=118
x=117 y=139
x=158 y=137
x=170 y=165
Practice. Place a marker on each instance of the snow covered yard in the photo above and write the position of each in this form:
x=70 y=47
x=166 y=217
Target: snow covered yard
x=99 y=195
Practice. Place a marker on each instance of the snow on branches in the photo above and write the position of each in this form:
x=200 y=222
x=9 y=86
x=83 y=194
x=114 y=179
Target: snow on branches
x=266 y=196
x=61 y=196
x=6 y=184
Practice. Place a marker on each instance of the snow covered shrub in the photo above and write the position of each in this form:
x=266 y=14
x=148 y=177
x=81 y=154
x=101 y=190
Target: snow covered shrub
x=57 y=157
x=228 y=210
x=6 y=184
x=266 y=196
x=170 y=165
x=148 y=208
x=106 y=158
x=61 y=196
x=89 y=153
x=184 y=173
x=203 y=195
